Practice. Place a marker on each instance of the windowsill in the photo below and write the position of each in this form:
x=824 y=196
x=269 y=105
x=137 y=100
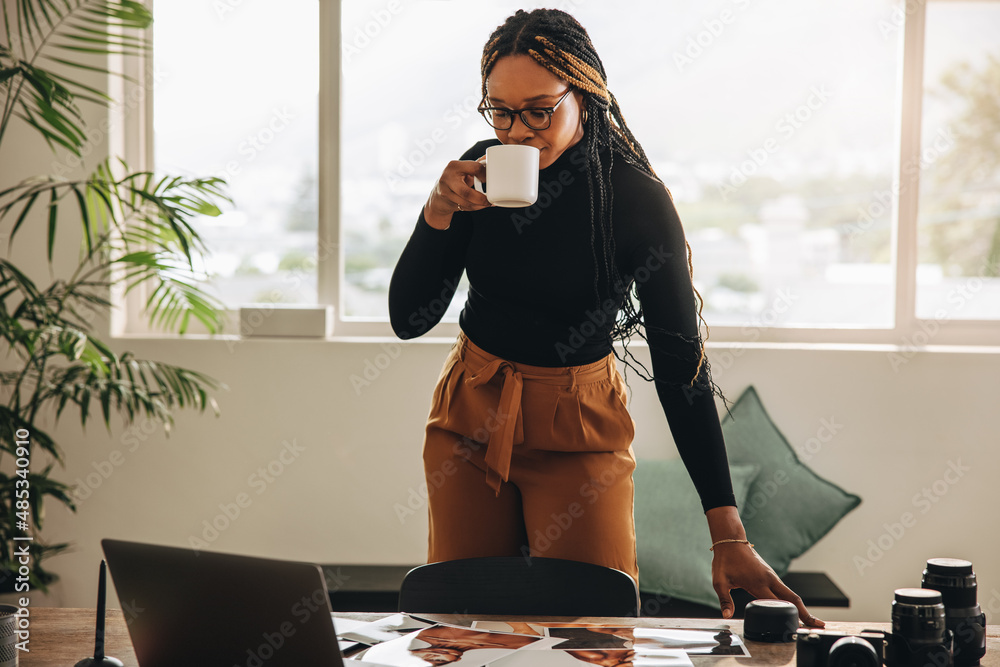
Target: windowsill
x=448 y=340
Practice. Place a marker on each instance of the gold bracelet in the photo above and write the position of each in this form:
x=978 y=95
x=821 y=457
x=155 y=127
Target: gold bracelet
x=714 y=544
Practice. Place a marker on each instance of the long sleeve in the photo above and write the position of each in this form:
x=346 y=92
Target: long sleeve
x=655 y=254
x=426 y=276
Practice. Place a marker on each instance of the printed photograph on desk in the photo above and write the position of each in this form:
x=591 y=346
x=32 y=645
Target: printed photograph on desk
x=693 y=641
x=522 y=628
x=382 y=630
x=595 y=656
x=346 y=625
x=452 y=645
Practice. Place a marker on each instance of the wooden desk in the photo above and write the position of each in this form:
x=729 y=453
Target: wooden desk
x=61 y=637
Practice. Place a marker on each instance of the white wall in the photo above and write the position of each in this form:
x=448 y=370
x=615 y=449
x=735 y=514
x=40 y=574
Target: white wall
x=337 y=501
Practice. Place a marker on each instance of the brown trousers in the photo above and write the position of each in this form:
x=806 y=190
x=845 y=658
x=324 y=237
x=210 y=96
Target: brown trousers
x=529 y=460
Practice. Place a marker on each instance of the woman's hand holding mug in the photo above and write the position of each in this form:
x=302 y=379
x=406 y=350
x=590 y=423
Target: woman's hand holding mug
x=513 y=183
x=454 y=191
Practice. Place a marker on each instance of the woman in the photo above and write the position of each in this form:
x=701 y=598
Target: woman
x=528 y=445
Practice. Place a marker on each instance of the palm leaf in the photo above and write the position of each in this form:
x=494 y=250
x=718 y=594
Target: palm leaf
x=50 y=107
x=9 y=273
x=43 y=485
x=153 y=222
x=60 y=31
x=11 y=421
x=118 y=390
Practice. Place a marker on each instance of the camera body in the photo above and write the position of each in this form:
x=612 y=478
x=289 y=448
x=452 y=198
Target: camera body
x=826 y=648
x=903 y=652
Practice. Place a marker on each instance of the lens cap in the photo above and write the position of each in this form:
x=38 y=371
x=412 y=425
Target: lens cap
x=770 y=621
x=952 y=567
x=918 y=596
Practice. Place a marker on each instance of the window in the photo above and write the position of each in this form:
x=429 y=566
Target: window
x=958 y=275
x=786 y=132
x=237 y=97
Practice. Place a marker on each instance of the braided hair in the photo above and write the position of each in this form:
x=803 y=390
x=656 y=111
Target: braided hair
x=557 y=41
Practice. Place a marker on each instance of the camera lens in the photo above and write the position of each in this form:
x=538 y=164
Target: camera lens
x=853 y=652
x=954 y=579
x=956 y=582
x=918 y=616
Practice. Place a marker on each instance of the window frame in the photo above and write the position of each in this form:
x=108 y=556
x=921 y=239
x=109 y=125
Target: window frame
x=134 y=141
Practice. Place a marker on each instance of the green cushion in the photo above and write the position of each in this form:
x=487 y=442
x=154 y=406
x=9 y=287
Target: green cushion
x=789 y=507
x=671 y=532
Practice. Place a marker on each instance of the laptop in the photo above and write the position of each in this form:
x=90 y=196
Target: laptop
x=191 y=607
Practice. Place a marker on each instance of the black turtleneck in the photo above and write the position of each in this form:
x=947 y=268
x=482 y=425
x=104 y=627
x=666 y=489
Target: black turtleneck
x=531 y=292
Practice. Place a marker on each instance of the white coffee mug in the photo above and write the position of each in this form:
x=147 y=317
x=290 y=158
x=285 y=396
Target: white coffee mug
x=511 y=176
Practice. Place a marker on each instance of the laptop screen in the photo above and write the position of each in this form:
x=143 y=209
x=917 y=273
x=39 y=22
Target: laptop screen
x=186 y=606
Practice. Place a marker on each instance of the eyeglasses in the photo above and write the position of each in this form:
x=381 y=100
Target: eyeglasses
x=535 y=118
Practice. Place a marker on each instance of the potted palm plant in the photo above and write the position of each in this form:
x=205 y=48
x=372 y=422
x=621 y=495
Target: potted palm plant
x=137 y=230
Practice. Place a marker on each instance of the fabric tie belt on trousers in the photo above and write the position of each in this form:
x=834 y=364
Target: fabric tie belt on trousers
x=501 y=443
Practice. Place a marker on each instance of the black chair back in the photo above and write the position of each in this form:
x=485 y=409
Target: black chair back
x=519 y=586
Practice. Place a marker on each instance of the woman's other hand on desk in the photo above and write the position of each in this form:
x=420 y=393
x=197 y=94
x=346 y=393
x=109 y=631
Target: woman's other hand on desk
x=737 y=565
